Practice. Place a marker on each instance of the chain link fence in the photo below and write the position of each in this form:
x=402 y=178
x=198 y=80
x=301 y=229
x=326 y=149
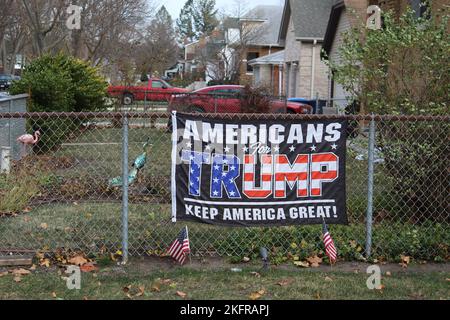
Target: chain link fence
x=64 y=190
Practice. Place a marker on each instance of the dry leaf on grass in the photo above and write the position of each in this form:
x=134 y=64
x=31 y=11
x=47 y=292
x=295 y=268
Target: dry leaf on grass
x=141 y=291
x=78 y=260
x=388 y=273
x=181 y=294
x=246 y=259
x=257 y=295
x=328 y=279
x=44 y=225
x=284 y=282
x=256 y=274
x=405 y=260
x=54 y=295
x=314 y=261
x=17 y=279
x=45 y=262
x=88 y=267
x=302 y=264
x=2 y=274
x=20 y=272
x=156 y=287
x=166 y=281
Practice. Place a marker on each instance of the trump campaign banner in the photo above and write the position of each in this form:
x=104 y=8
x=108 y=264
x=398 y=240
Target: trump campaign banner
x=244 y=172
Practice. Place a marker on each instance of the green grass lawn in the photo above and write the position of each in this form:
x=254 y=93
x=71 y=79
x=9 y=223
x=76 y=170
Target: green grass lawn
x=109 y=283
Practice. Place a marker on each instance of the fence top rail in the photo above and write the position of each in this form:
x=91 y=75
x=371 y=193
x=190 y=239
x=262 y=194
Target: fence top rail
x=253 y=116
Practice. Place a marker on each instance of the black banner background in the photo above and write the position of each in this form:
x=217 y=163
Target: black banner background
x=208 y=176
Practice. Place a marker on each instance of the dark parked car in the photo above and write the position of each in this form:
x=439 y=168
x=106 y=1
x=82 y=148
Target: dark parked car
x=228 y=99
x=5 y=81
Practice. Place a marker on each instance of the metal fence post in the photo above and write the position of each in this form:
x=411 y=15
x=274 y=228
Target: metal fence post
x=369 y=213
x=5 y=164
x=125 y=189
x=317 y=103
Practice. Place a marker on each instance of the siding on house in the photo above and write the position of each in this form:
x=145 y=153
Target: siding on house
x=339 y=93
x=302 y=31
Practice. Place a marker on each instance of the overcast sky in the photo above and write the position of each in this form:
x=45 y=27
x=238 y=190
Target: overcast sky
x=174 y=6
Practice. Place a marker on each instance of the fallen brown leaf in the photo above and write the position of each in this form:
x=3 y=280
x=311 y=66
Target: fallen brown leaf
x=17 y=278
x=181 y=294
x=314 y=261
x=88 y=267
x=257 y=295
x=44 y=225
x=405 y=260
x=141 y=291
x=166 y=281
x=302 y=264
x=78 y=260
x=284 y=282
x=246 y=259
x=328 y=279
x=156 y=287
x=54 y=295
x=45 y=262
x=20 y=272
x=388 y=273
x=2 y=274
x=256 y=274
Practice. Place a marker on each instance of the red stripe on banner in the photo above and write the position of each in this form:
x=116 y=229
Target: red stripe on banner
x=280 y=193
x=249 y=177
x=315 y=191
x=249 y=159
x=302 y=192
x=266 y=177
x=324 y=157
x=257 y=193
x=317 y=175
x=291 y=176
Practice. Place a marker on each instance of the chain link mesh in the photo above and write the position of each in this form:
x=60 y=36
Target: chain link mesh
x=59 y=193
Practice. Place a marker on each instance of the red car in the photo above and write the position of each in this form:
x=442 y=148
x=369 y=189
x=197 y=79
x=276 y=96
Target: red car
x=228 y=99
x=155 y=90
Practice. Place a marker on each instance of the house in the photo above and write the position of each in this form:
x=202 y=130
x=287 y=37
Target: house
x=302 y=32
x=259 y=30
x=346 y=14
x=268 y=72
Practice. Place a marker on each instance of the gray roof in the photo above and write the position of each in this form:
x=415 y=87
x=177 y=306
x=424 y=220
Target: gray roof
x=274 y=58
x=310 y=17
x=271 y=26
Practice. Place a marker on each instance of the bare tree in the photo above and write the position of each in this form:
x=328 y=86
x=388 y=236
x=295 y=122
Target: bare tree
x=222 y=53
x=43 y=18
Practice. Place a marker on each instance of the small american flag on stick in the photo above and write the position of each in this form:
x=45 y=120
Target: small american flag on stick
x=179 y=249
x=330 y=249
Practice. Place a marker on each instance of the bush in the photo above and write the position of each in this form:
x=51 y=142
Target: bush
x=404 y=68
x=60 y=83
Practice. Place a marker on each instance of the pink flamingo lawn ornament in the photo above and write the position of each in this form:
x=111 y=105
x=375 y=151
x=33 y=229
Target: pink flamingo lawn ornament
x=27 y=140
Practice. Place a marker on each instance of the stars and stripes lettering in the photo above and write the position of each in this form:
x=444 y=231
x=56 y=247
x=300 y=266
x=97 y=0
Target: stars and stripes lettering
x=324 y=169
x=291 y=175
x=249 y=187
